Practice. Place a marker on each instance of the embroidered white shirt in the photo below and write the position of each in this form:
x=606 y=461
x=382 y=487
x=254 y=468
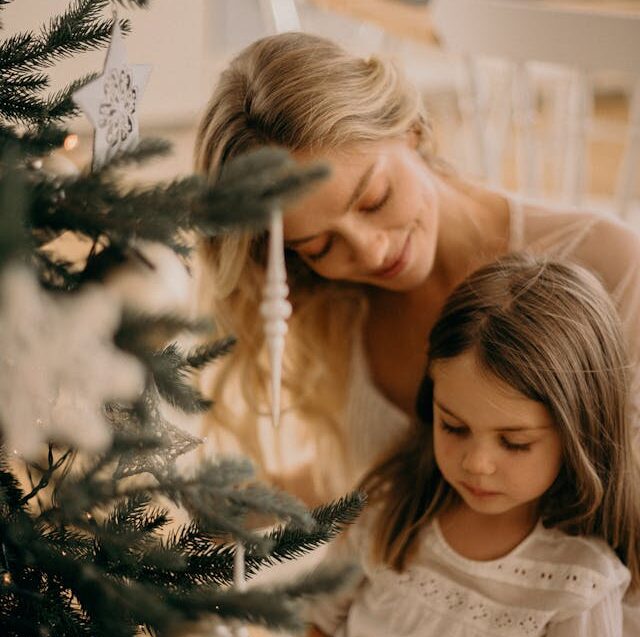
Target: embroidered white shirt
x=551 y=584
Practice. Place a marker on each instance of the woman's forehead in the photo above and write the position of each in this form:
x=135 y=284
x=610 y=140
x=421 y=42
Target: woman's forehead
x=330 y=198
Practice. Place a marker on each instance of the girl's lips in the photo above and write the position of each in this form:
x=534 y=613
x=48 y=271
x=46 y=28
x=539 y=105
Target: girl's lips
x=398 y=264
x=479 y=493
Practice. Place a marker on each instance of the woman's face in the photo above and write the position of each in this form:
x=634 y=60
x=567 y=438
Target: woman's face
x=374 y=221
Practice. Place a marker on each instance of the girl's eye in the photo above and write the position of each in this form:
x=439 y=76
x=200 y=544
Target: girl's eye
x=316 y=256
x=515 y=446
x=377 y=205
x=451 y=429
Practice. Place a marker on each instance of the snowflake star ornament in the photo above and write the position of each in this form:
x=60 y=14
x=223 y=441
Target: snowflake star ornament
x=58 y=366
x=172 y=441
x=111 y=101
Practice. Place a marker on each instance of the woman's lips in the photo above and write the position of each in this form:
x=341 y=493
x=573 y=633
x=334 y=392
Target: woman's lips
x=398 y=264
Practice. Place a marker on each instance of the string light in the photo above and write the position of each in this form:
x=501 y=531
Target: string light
x=6 y=579
x=70 y=141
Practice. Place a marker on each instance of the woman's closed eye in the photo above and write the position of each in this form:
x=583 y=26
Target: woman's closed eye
x=379 y=202
x=318 y=254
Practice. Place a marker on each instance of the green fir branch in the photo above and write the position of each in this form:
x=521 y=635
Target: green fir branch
x=80 y=28
x=289 y=541
x=207 y=353
x=18 y=106
x=16 y=51
x=142 y=152
x=139 y=332
x=34 y=141
x=29 y=81
x=254 y=606
x=14 y=201
x=169 y=373
x=11 y=494
x=321 y=581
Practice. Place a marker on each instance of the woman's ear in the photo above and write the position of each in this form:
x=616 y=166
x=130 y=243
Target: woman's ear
x=413 y=137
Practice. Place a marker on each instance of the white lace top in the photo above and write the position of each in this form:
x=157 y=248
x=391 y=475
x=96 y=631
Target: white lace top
x=551 y=584
x=602 y=244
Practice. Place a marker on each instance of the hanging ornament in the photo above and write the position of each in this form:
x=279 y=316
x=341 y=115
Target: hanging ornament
x=275 y=310
x=111 y=101
x=173 y=441
x=58 y=365
x=240 y=584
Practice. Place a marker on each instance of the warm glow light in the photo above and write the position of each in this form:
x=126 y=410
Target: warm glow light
x=70 y=141
x=6 y=579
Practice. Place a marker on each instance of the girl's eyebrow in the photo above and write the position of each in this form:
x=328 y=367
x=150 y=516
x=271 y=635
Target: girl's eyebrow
x=441 y=407
x=361 y=186
x=499 y=430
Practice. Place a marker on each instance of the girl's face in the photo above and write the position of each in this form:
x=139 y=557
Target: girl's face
x=498 y=449
x=374 y=221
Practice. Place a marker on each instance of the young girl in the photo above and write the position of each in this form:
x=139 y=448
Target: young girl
x=514 y=507
x=372 y=255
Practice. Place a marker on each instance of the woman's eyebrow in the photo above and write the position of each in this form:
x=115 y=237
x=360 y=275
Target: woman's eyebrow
x=290 y=243
x=361 y=186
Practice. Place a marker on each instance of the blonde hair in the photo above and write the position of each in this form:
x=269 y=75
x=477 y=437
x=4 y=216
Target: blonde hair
x=296 y=91
x=549 y=330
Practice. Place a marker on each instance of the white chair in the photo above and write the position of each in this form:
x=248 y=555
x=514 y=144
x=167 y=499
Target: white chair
x=546 y=49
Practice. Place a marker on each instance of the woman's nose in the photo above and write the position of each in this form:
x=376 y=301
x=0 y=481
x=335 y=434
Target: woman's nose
x=478 y=460
x=369 y=248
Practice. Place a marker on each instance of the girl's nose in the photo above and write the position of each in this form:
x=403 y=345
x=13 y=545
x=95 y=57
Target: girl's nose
x=478 y=460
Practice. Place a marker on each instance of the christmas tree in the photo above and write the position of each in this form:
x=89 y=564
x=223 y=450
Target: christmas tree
x=86 y=454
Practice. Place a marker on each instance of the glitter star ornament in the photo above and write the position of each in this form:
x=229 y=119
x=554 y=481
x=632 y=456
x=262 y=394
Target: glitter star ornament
x=111 y=101
x=173 y=441
x=58 y=366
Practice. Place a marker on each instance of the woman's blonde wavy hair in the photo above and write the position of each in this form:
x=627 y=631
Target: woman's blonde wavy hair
x=549 y=330
x=299 y=92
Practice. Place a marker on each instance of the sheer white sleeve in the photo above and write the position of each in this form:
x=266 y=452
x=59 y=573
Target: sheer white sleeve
x=612 y=250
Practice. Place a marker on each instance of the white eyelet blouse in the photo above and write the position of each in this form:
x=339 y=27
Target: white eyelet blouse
x=551 y=584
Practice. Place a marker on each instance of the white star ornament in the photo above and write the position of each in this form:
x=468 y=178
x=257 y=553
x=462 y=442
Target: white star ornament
x=111 y=101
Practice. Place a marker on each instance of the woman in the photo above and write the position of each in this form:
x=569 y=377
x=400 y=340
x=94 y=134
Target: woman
x=372 y=255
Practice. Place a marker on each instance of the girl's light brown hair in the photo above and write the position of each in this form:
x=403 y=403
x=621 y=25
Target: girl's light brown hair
x=300 y=92
x=549 y=330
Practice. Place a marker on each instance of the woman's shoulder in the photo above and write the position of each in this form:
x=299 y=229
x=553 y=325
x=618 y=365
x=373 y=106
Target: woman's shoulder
x=603 y=243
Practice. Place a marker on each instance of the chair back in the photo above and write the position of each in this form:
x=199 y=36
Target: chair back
x=553 y=62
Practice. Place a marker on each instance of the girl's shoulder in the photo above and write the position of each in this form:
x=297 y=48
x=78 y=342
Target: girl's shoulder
x=560 y=570
x=586 y=567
